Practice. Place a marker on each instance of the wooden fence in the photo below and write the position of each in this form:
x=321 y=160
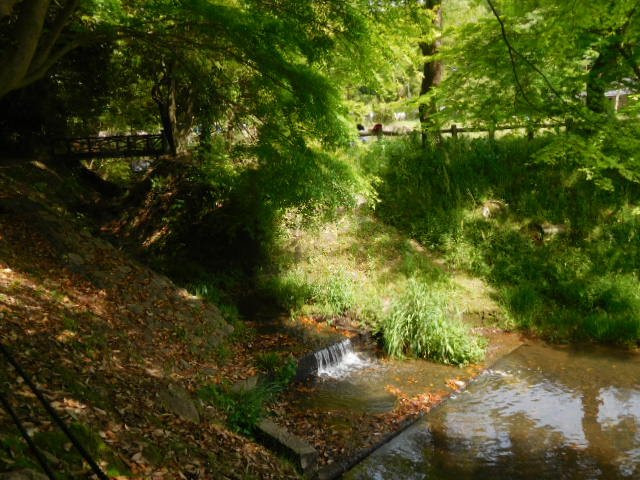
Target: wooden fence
x=454 y=130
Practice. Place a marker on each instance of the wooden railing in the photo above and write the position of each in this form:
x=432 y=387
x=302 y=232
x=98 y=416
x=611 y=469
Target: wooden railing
x=454 y=130
x=118 y=146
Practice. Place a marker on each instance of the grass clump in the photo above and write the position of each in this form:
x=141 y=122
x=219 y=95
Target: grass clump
x=421 y=323
x=336 y=295
x=614 y=302
x=289 y=288
x=244 y=408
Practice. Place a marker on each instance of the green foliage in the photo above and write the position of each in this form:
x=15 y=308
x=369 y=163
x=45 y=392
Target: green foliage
x=224 y=209
x=268 y=361
x=610 y=151
x=578 y=285
x=215 y=291
x=289 y=289
x=557 y=49
x=331 y=295
x=335 y=296
x=358 y=267
x=114 y=170
x=243 y=409
x=421 y=323
x=66 y=102
x=285 y=373
x=529 y=63
x=614 y=302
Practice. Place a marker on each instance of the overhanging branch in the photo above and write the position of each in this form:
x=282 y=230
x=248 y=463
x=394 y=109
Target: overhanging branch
x=512 y=53
x=40 y=72
x=49 y=40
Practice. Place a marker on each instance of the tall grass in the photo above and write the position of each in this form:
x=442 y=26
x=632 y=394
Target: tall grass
x=331 y=294
x=421 y=323
x=579 y=285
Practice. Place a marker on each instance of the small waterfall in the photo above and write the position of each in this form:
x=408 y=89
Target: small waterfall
x=339 y=360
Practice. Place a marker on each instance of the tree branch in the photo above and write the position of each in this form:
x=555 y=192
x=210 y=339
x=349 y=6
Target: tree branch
x=44 y=67
x=624 y=51
x=48 y=42
x=512 y=53
x=6 y=7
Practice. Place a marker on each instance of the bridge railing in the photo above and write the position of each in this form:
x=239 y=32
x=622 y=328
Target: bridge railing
x=116 y=146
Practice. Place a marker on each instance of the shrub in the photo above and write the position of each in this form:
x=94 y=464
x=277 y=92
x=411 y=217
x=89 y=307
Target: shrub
x=614 y=306
x=245 y=408
x=421 y=323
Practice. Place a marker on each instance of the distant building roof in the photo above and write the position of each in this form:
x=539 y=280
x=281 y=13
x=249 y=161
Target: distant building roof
x=619 y=91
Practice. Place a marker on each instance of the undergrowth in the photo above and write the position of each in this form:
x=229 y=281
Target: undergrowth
x=580 y=284
x=244 y=408
x=359 y=268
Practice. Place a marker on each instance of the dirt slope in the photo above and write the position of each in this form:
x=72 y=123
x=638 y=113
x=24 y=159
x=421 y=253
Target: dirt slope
x=118 y=349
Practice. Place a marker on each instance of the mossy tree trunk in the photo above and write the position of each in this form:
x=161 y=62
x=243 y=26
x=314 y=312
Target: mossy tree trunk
x=432 y=70
x=31 y=46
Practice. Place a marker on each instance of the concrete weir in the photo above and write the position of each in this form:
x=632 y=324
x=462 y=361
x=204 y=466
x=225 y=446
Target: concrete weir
x=310 y=364
x=336 y=361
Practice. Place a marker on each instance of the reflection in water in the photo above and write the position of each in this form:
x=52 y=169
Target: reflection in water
x=366 y=390
x=542 y=413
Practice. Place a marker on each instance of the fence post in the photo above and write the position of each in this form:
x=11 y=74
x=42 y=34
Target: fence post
x=530 y=133
x=454 y=131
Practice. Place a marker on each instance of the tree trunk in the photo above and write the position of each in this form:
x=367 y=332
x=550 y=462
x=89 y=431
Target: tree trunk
x=164 y=94
x=30 y=52
x=599 y=75
x=596 y=86
x=176 y=106
x=432 y=71
x=15 y=62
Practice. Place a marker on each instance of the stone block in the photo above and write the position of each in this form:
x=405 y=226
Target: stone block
x=279 y=438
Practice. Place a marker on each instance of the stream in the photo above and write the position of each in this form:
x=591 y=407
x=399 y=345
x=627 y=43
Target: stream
x=541 y=412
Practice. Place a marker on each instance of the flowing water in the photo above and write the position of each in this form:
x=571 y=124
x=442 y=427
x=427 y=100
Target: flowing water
x=350 y=381
x=340 y=360
x=363 y=382
x=540 y=413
